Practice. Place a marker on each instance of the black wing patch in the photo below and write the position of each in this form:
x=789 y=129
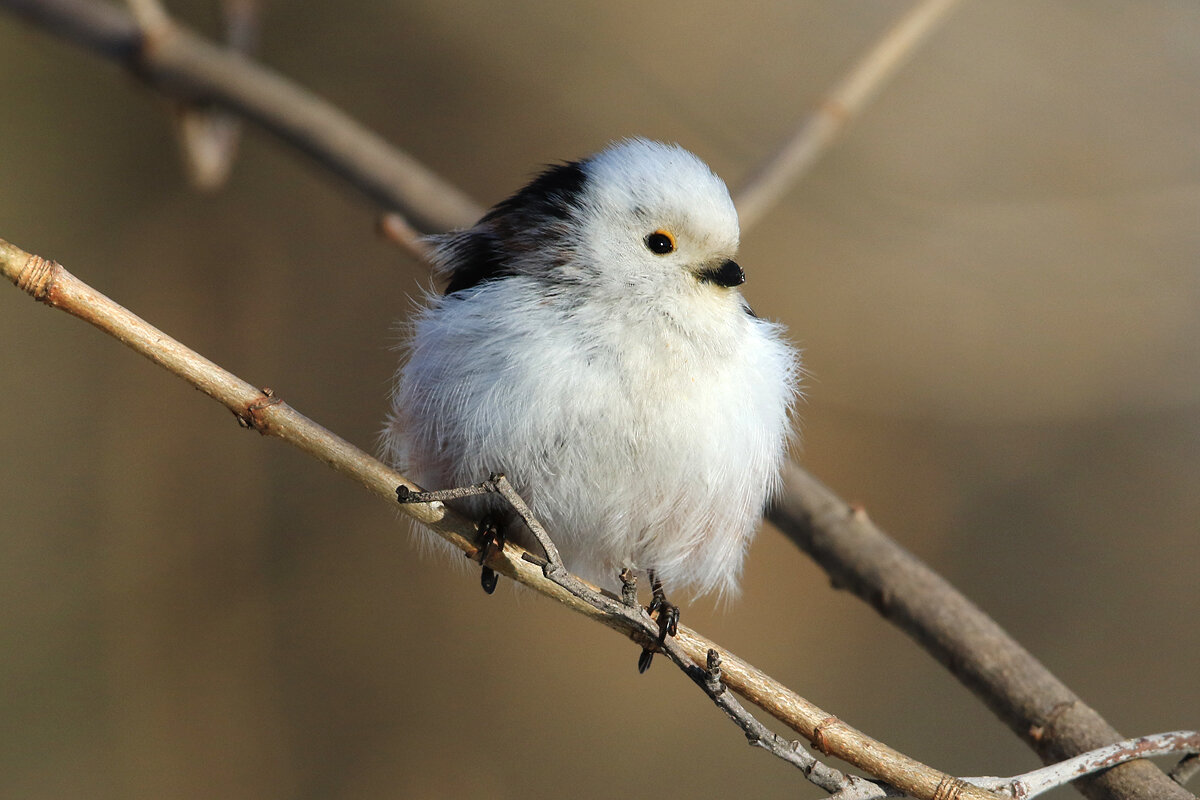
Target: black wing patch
x=478 y=259
x=480 y=254
x=552 y=194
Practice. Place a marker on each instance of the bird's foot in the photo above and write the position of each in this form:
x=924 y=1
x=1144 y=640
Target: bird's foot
x=491 y=528
x=667 y=616
x=491 y=540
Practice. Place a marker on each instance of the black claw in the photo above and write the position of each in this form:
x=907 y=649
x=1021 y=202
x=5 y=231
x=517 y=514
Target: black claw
x=491 y=539
x=668 y=622
x=671 y=628
x=488 y=579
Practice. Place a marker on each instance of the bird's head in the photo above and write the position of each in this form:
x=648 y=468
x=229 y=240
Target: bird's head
x=637 y=217
x=655 y=215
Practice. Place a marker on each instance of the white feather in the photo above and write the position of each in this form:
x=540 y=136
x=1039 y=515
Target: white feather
x=642 y=412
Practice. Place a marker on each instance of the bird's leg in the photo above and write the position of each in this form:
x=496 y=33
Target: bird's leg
x=554 y=564
x=668 y=621
x=497 y=484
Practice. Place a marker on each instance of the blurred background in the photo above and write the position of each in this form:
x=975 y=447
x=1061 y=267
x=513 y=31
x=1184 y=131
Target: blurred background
x=995 y=277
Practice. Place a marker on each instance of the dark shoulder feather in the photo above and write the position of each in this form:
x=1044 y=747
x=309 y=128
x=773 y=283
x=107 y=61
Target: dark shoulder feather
x=480 y=254
x=477 y=258
x=553 y=194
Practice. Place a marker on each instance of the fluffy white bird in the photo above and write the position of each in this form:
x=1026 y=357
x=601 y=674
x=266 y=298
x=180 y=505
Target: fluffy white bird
x=592 y=345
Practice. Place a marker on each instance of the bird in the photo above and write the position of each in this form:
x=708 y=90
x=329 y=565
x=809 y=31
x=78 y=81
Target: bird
x=592 y=345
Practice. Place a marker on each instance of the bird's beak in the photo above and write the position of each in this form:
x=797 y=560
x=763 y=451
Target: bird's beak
x=727 y=274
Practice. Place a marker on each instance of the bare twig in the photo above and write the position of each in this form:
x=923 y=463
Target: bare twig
x=262 y=410
x=860 y=557
x=1031 y=784
x=209 y=136
x=395 y=228
x=771 y=181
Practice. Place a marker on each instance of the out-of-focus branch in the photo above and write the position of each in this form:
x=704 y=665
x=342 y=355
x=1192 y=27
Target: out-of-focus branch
x=1046 y=714
x=208 y=135
x=1186 y=769
x=767 y=185
x=395 y=228
x=188 y=68
x=260 y=409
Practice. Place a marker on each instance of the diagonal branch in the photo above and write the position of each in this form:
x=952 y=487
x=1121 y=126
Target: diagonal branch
x=1041 y=709
x=184 y=66
x=837 y=109
x=50 y=283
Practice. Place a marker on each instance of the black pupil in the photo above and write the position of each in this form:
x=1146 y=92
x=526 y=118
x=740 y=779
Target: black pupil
x=659 y=243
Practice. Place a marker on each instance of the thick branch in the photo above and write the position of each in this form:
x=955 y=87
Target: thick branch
x=1039 y=707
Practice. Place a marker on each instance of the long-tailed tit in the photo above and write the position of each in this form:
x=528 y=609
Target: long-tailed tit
x=593 y=346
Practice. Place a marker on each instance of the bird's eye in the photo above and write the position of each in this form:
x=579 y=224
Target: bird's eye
x=660 y=242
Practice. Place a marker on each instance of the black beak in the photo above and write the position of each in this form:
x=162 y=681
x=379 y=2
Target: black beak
x=728 y=274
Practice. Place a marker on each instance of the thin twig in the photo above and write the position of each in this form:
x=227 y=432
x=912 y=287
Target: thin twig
x=771 y=181
x=208 y=135
x=395 y=228
x=50 y=283
x=1040 y=781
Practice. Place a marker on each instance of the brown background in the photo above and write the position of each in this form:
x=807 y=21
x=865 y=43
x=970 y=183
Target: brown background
x=995 y=278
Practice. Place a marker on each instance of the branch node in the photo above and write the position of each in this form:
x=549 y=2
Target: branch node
x=712 y=674
x=950 y=788
x=252 y=417
x=629 y=588
x=1037 y=732
x=37 y=277
x=818 y=736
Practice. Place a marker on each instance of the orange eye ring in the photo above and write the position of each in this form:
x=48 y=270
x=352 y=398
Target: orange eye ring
x=660 y=242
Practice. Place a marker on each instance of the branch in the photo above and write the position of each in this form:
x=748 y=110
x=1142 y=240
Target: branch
x=184 y=66
x=771 y=181
x=1043 y=780
x=859 y=556
x=50 y=283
